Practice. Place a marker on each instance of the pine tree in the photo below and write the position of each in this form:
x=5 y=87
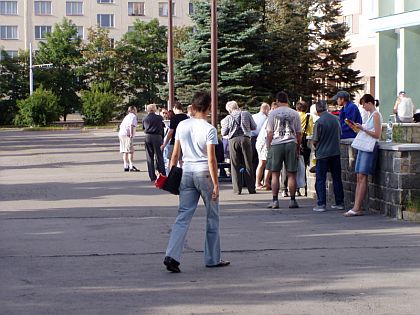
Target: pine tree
x=238 y=35
x=332 y=64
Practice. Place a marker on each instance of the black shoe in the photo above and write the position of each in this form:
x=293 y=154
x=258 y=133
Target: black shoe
x=222 y=263
x=171 y=264
x=134 y=169
x=312 y=169
x=126 y=169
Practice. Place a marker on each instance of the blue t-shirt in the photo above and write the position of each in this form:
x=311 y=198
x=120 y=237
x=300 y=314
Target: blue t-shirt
x=351 y=112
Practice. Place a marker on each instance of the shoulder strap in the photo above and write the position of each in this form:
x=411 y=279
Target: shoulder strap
x=307 y=123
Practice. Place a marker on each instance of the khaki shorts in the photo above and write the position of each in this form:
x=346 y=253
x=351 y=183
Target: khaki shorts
x=279 y=153
x=126 y=144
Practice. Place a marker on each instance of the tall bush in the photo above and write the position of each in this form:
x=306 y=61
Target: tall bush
x=39 y=109
x=99 y=104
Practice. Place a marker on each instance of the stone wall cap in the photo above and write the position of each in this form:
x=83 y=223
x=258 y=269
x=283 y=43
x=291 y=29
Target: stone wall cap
x=399 y=146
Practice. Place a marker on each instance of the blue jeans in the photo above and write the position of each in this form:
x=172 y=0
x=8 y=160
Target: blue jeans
x=332 y=164
x=194 y=185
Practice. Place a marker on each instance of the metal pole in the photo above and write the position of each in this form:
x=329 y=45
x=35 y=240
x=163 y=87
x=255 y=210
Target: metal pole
x=31 y=73
x=214 y=71
x=170 y=57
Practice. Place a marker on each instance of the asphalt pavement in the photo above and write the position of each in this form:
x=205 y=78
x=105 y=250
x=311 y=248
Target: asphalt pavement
x=80 y=236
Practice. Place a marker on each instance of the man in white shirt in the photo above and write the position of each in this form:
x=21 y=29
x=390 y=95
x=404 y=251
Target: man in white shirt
x=126 y=135
x=259 y=119
x=197 y=139
x=404 y=108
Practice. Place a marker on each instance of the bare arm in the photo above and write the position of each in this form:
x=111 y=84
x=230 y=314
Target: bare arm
x=269 y=139
x=212 y=162
x=167 y=139
x=377 y=124
x=175 y=154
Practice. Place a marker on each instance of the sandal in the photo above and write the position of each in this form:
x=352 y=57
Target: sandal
x=352 y=213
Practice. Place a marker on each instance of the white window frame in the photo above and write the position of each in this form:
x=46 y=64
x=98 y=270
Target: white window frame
x=99 y=20
x=80 y=32
x=105 y=1
x=74 y=8
x=164 y=9
x=9 y=32
x=41 y=30
x=133 y=11
x=42 y=8
x=8 y=8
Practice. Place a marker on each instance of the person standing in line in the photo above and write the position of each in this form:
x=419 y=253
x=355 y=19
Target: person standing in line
x=170 y=138
x=366 y=161
x=348 y=111
x=259 y=119
x=197 y=139
x=326 y=139
x=238 y=126
x=261 y=147
x=126 y=135
x=153 y=128
x=284 y=134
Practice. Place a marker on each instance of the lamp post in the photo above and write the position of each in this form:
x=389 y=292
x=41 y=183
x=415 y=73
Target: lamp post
x=31 y=67
x=170 y=57
x=214 y=71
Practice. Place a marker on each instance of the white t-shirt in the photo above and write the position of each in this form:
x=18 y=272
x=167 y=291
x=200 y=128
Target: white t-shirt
x=285 y=123
x=406 y=108
x=194 y=135
x=259 y=119
x=128 y=121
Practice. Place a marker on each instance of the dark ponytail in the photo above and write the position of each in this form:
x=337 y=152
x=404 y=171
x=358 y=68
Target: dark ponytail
x=367 y=98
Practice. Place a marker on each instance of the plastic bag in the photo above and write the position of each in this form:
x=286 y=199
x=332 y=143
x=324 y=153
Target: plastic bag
x=300 y=175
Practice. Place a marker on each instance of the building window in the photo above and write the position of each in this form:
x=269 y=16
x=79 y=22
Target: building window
x=80 y=32
x=191 y=8
x=130 y=28
x=9 y=53
x=8 y=7
x=163 y=8
x=348 y=20
x=105 y=1
x=74 y=8
x=136 y=8
x=111 y=43
x=8 y=32
x=105 y=20
x=41 y=31
x=42 y=7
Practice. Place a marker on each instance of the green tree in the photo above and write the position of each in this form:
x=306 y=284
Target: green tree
x=332 y=62
x=99 y=104
x=238 y=37
x=62 y=49
x=39 y=109
x=142 y=53
x=14 y=84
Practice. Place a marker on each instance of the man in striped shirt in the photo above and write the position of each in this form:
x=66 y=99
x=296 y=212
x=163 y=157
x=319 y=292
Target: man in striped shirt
x=238 y=126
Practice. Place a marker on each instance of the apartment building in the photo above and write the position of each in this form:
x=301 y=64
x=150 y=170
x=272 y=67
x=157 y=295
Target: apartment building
x=28 y=21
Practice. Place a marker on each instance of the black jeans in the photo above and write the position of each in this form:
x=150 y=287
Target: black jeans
x=152 y=143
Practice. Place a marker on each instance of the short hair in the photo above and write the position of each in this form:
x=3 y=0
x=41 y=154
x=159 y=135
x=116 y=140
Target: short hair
x=401 y=92
x=231 y=106
x=264 y=105
x=367 y=98
x=321 y=106
x=132 y=109
x=301 y=106
x=178 y=105
x=201 y=101
x=151 y=107
x=282 y=97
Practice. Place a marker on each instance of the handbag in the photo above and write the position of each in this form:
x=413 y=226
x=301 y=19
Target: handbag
x=173 y=180
x=364 y=142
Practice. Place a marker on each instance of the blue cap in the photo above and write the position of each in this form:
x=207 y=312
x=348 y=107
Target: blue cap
x=341 y=94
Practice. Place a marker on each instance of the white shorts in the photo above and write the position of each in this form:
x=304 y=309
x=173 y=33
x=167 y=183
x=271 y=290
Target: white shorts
x=126 y=144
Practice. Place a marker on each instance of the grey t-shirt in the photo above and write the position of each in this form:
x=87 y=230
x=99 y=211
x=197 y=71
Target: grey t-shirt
x=327 y=132
x=284 y=122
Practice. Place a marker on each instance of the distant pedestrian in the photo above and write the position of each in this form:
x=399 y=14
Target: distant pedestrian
x=366 y=161
x=348 y=111
x=197 y=139
x=326 y=139
x=238 y=126
x=126 y=135
x=284 y=133
x=259 y=119
x=153 y=128
x=175 y=120
x=404 y=108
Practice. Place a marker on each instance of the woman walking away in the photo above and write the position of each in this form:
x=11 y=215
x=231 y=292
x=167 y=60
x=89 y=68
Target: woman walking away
x=366 y=161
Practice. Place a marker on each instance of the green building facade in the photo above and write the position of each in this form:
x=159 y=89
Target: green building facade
x=398 y=51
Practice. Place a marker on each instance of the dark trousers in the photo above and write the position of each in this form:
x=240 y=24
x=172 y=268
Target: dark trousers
x=153 y=151
x=332 y=164
x=254 y=153
x=241 y=157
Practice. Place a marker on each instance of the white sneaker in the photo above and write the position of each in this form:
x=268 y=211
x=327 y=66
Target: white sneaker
x=273 y=205
x=320 y=208
x=337 y=207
